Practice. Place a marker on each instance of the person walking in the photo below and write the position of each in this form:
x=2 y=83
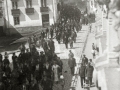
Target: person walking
x=70 y=55
x=82 y=73
x=72 y=64
x=93 y=46
x=91 y=62
x=51 y=32
x=85 y=60
x=71 y=42
x=46 y=83
x=45 y=46
x=93 y=53
x=51 y=45
x=66 y=41
x=55 y=69
x=47 y=33
x=89 y=73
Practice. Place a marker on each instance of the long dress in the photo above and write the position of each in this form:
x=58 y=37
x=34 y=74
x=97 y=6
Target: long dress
x=56 y=72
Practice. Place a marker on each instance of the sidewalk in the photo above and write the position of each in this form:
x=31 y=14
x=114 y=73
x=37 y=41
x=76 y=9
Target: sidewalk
x=62 y=52
x=88 y=54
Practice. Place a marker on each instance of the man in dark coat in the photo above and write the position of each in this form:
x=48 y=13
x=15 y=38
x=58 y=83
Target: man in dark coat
x=66 y=40
x=45 y=46
x=72 y=64
x=1 y=58
x=51 y=45
x=7 y=71
x=51 y=32
x=6 y=61
x=43 y=34
x=85 y=60
x=82 y=74
x=14 y=60
x=60 y=63
x=47 y=70
x=47 y=33
x=47 y=84
x=89 y=73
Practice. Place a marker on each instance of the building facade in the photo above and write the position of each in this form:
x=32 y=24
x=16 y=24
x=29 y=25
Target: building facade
x=107 y=35
x=24 y=16
x=1 y=18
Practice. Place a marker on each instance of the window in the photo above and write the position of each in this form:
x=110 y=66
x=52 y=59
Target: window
x=14 y=5
x=29 y=3
x=43 y=3
x=16 y=21
x=45 y=18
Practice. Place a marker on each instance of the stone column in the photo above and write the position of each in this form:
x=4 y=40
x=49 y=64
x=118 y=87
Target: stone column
x=114 y=44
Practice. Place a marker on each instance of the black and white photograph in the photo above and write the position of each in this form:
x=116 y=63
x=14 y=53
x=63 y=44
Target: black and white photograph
x=59 y=45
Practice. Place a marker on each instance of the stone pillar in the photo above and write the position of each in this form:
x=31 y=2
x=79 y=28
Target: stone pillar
x=114 y=44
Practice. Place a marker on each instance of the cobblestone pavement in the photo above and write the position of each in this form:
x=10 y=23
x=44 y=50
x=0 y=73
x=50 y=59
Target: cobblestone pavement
x=62 y=52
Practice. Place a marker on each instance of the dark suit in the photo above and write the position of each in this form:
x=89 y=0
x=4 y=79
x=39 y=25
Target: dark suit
x=51 y=46
x=85 y=60
x=47 y=70
x=89 y=73
x=82 y=74
x=72 y=64
x=47 y=84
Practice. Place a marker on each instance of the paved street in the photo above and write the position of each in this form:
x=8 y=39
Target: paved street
x=63 y=53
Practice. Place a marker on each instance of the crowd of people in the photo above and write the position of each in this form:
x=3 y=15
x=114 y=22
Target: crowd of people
x=31 y=69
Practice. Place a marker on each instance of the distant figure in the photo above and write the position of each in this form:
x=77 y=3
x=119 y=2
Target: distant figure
x=70 y=55
x=71 y=42
x=93 y=46
x=22 y=48
x=47 y=33
x=93 y=53
x=90 y=27
x=51 y=32
x=97 y=49
x=51 y=45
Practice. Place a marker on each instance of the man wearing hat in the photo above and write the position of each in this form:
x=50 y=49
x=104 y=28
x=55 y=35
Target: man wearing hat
x=46 y=83
x=85 y=60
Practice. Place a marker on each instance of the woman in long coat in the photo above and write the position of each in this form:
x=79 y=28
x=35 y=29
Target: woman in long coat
x=55 y=69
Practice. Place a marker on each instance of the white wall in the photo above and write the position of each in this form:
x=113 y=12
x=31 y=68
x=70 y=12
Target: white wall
x=28 y=20
x=1 y=19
